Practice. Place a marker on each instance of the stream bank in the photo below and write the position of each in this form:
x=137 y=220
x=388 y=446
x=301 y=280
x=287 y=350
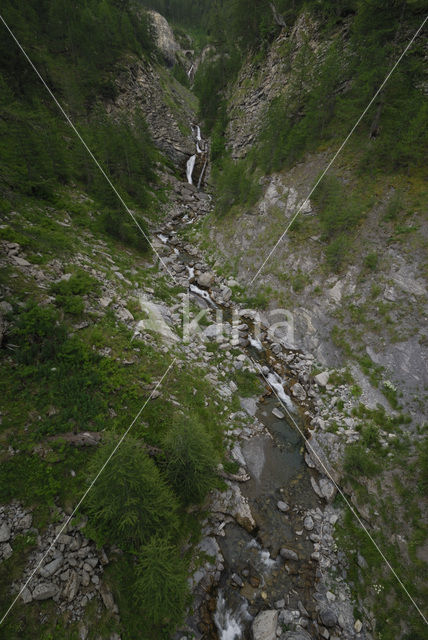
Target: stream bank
x=269 y=536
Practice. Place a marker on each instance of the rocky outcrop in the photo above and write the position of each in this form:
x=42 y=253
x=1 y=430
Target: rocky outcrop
x=231 y=502
x=164 y=37
x=165 y=103
x=258 y=84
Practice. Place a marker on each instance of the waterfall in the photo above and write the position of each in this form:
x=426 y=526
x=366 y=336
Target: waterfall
x=228 y=623
x=201 y=148
x=189 y=73
x=189 y=168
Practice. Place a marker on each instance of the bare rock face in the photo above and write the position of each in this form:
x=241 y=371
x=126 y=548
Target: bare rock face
x=140 y=87
x=264 y=625
x=164 y=36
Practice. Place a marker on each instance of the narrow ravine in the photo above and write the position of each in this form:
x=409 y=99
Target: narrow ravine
x=270 y=564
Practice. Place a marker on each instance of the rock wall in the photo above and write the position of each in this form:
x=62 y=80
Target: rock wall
x=169 y=108
x=261 y=82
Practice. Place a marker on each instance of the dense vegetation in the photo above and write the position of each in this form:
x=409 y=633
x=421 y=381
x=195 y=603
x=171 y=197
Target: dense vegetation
x=76 y=53
x=326 y=91
x=317 y=108
x=167 y=463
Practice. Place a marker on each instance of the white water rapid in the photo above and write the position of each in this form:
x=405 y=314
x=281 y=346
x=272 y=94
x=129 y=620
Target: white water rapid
x=228 y=623
x=277 y=384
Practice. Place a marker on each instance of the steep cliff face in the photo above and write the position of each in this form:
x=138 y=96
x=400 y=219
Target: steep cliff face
x=169 y=108
x=259 y=83
x=370 y=313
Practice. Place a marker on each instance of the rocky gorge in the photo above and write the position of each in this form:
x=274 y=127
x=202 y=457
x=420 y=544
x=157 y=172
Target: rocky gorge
x=277 y=554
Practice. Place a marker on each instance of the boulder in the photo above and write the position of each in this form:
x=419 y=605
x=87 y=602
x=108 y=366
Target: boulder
x=288 y=554
x=212 y=331
x=282 y=506
x=4 y=532
x=322 y=378
x=328 y=617
x=264 y=625
x=26 y=596
x=308 y=523
x=5 y=307
x=21 y=262
x=278 y=413
x=324 y=488
x=298 y=391
x=326 y=452
x=44 y=591
x=296 y=635
x=107 y=597
x=72 y=586
x=206 y=279
x=231 y=502
x=52 y=567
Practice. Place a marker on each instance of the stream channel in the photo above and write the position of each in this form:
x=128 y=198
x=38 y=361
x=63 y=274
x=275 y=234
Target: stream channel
x=256 y=576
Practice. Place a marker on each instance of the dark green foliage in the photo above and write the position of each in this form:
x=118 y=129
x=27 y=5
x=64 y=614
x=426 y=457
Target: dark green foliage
x=38 y=335
x=76 y=54
x=179 y=73
x=118 y=223
x=340 y=210
x=210 y=83
x=337 y=252
x=249 y=384
x=28 y=478
x=68 y=292
x=359 y=462
x=129 y=503
x=371 y=261
x=190 y=460
x=323 y=106
x=236 y=184
x=161 y=590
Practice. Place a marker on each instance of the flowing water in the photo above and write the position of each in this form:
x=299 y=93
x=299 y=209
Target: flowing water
x=275 y=462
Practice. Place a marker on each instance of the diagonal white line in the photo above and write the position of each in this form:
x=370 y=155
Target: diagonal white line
x=121 y=200
x=363 y=526
x=86 y=492
x=338 y=151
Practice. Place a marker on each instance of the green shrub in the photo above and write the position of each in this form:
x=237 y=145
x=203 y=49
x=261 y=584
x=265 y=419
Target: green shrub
x=338 y=251
x=190 y=460
x=358 y=462
x=118 y=223
x=248 y=383
x=161 y=588
x=38 y=335
x=235 y=185
x=371 y=261
x=394 y=206
x=130 y=502
x=370 y=435
x=68 y=292
x=339 y=209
